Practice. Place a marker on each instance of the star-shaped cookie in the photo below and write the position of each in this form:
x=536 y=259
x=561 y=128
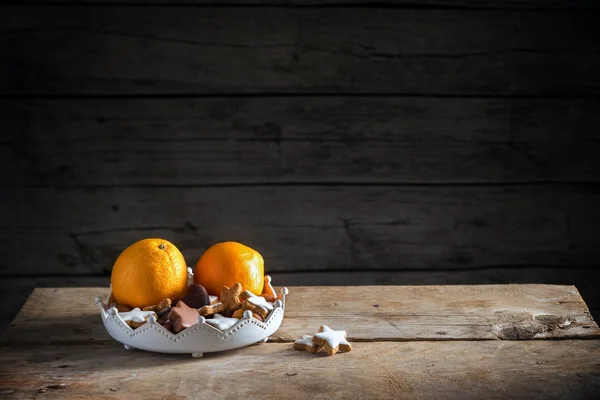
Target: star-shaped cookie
x=182 y=316
x=229 y=302
x=332 y=341
x=306 y=344
x=257 y=304
x=222 y=323
x=136 y=317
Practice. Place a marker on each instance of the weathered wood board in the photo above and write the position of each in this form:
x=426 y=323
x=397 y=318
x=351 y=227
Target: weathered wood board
x=306 y=228
x=369 y=313
x=566 y=369
x=15 y=291
x=208 y=50
x=298 y=139
x=41 y=356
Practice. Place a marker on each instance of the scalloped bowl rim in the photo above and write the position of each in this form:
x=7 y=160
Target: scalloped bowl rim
x=199 y=338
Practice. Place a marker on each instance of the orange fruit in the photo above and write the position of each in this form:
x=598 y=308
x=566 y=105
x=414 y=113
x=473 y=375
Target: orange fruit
x=147 y=272
x=227 y=263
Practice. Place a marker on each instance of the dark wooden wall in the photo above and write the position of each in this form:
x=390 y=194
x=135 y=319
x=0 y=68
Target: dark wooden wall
x=402 y=142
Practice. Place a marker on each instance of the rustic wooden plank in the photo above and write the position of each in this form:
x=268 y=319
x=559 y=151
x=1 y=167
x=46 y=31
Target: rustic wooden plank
x=584 y=279
x=175 y=50
x=298 y=139
x=445 y=370
x=16 y=291
x=305 y=228
x=508 y=312
x=392 y=313
x=468 y=4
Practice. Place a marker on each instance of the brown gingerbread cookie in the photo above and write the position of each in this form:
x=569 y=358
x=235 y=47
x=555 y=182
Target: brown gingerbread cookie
x=209 y=311
x=258 y=305
x=239 y=314
x=162 y=308
x=229 y=302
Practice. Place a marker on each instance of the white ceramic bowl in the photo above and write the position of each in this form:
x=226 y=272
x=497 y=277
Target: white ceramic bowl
x=199 y=338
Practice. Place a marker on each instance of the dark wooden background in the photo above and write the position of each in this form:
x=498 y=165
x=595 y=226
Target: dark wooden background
x=350 y=142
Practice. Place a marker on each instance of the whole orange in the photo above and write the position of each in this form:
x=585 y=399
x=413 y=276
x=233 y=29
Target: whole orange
x=147 y=272
x=226 y=263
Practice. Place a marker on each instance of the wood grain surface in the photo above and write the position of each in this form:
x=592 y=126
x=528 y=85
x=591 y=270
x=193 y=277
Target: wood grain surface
x=16 y=291
x=566 y=369
x=58 y=348
x=188 y=50
x=306 y=228
x=368 y=313
x=290 y=139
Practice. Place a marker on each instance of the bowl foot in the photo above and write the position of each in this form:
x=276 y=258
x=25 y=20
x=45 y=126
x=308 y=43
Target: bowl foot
x=197 y=355
x=127 y=347
x=264 y=340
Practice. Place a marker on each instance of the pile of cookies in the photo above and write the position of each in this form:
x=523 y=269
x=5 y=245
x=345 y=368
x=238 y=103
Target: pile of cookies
x=326 y=339
x=221 y=312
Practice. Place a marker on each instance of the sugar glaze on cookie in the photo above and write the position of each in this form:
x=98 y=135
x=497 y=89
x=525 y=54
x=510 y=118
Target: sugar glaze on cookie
x=222 y=323
x=261 y=302
x=332 y=341
x=136 y=315
x=306 y=344
x=306 y=340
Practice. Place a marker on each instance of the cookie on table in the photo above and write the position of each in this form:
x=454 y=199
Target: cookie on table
x=306 y=344
x=332 y=341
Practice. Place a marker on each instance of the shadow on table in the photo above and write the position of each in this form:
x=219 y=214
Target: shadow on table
x=82 y=342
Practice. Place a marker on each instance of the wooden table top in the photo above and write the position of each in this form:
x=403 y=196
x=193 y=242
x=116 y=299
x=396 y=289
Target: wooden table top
x=410 y=342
